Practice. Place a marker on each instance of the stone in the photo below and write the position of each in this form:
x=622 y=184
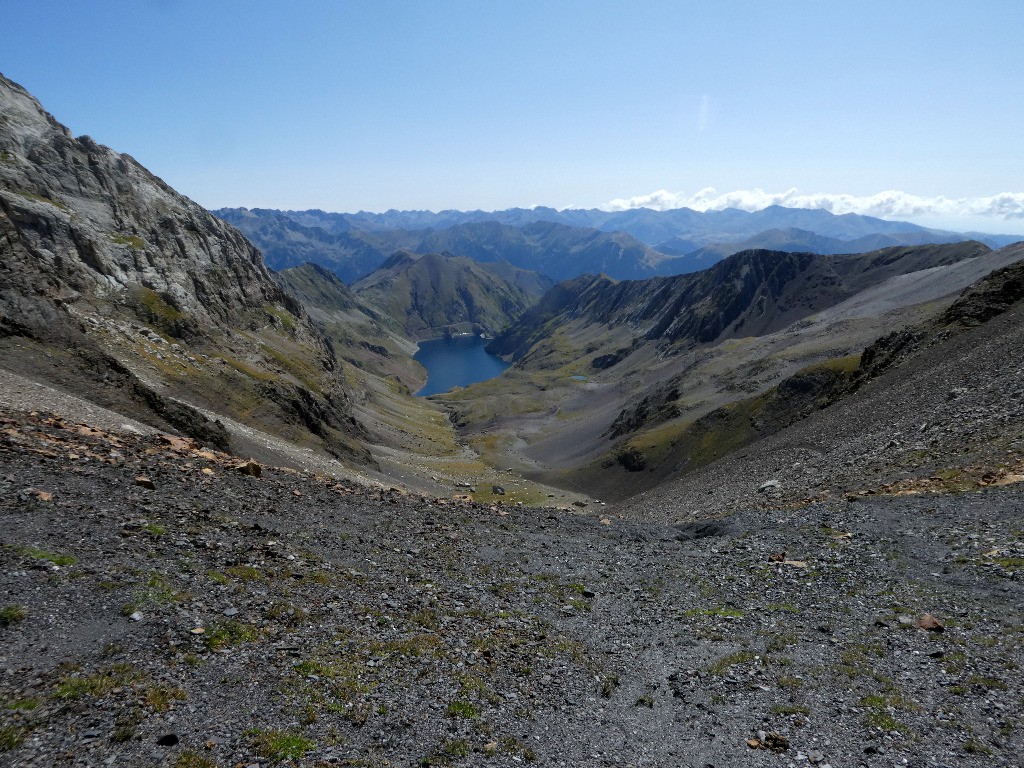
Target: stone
x=249 y=467
x=144 y=482
x=929 y=623
x=137 y=616
x=776 y=742
x=497 y=490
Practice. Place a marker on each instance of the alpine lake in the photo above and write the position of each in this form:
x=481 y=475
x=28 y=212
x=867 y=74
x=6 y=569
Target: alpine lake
x=456 y=362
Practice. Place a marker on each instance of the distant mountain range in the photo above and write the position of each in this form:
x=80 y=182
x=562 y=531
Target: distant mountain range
x=559 y=251
x=625 y=245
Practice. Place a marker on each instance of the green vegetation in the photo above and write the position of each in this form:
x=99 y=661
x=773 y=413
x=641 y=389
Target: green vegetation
x=160 y=697
x=446 y=752
x=48 y=201
x=193 y=760
x=131 y=241
x=11 y=737
x=76 y=686
x=463 y=709
x=229 y=632
x=286 y=318
x=607 y=685
x=156 y=591
x=723 y=664
x=12 y=614
x=278 y=745
x=26 y=704
x=882 y=708
x=52 y=557
x=245 y=573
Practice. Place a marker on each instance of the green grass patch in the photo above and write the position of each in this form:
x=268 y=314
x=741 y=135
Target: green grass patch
x=193 y=760
x=160 y=697
x=11 y=737
x=27 y=704
x=229 y=632
x=286 y=317
x=245 y=573
x=463 y=709
x=279 y=745
x=76 y=686
x=723 y=664
x=53 y=557
x=131 y=241
x=12 y=614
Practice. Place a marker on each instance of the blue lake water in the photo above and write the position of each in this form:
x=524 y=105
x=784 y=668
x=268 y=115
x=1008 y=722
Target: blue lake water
x=456 y=362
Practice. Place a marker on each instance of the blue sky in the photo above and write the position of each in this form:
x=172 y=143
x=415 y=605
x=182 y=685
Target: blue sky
x=491 y=104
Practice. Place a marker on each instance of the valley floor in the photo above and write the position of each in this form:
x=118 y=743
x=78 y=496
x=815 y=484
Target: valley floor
x=160 y=607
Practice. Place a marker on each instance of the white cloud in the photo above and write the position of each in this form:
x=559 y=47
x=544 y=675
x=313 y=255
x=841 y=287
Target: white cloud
x=886 y=205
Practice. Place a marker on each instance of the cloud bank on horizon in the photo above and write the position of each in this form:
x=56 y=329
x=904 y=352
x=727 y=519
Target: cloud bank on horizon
x=884 y=205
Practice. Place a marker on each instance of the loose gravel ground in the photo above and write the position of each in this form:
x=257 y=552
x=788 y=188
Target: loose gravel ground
x=222 y=619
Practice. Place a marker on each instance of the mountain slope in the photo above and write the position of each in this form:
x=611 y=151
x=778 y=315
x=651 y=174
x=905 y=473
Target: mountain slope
x=935 y=401
x=438 y=293
x=613 y=381
x=116 y=286
x=750 y=293
x=794 y=240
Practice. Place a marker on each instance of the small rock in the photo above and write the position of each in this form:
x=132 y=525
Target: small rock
x=497 y=490
x=930 y=623
x=144 y=482
x=137 y=616
x=776 y=742
x=249 y=467
x=198 y=631
x=230 y=611
x=770 y=485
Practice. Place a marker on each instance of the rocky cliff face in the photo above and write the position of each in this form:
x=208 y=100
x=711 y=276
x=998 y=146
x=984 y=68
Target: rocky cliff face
x=105 y=267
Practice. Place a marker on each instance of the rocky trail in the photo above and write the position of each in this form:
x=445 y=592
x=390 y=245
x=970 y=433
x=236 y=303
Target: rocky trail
x=165 y=605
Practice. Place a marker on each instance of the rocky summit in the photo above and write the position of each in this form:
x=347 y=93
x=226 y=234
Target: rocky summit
x=232 y=538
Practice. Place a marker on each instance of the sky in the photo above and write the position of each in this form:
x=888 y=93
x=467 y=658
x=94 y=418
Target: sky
x=908 y=109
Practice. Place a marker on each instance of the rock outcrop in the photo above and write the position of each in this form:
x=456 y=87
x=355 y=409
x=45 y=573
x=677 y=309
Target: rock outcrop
x=114 y=284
